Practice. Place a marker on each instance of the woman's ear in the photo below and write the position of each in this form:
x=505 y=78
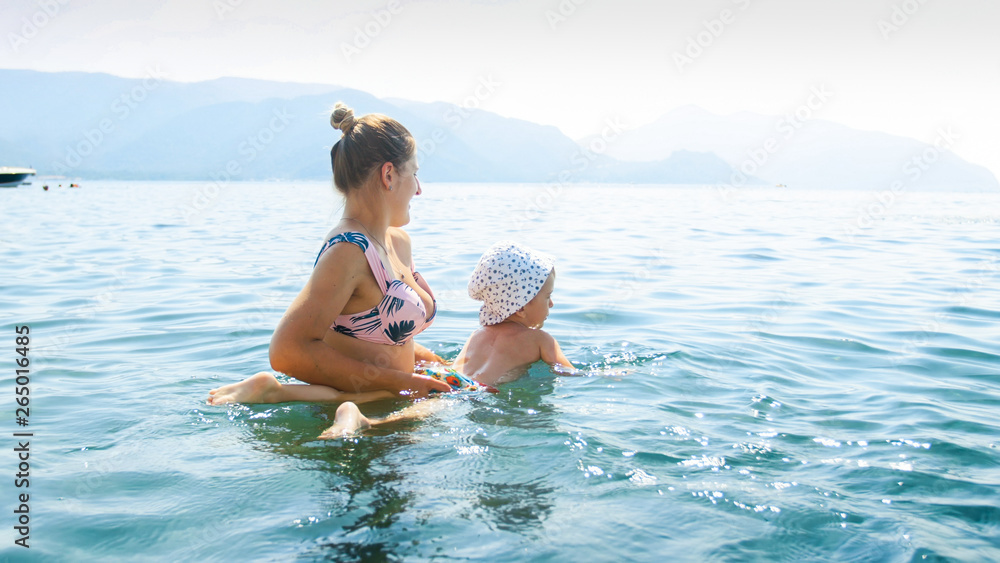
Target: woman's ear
x=520 y=312
x=387 y=173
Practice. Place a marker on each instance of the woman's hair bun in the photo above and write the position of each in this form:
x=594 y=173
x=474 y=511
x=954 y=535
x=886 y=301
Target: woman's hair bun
x=342 y=117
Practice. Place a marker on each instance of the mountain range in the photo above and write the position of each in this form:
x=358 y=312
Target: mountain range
x=808 y=153
x=90 y=125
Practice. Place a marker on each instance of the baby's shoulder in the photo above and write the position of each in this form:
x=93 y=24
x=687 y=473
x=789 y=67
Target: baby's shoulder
x=529 y=339
x=545 y=341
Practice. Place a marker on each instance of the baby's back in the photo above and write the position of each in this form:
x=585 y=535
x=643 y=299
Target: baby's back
x=499 y=353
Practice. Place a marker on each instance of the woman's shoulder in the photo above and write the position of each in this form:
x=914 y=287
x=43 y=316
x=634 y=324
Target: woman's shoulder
x=333 y=253
x=357 y=238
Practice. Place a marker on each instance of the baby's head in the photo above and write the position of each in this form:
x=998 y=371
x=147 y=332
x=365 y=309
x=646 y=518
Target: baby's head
x=513 y=281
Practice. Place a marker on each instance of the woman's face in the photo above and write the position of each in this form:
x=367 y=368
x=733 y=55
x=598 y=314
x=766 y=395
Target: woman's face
x=405 y=185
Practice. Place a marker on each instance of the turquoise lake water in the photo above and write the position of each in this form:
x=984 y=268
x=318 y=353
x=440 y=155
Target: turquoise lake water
x=770 y=375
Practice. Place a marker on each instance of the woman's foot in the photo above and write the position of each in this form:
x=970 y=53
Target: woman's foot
x=259 y=388
x=346 y=422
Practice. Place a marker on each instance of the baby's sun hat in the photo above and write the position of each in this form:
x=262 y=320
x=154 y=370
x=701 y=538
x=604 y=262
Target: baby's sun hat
x=507 y=277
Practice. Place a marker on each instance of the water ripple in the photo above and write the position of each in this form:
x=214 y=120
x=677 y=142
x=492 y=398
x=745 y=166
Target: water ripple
x=779 y=389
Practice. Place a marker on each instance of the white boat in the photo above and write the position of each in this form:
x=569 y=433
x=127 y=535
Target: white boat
x=11 y=177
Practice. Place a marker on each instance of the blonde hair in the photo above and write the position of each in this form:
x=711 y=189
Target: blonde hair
x=368 y=142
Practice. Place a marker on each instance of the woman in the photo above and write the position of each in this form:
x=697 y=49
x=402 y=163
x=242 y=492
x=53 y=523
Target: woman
x=352 y=325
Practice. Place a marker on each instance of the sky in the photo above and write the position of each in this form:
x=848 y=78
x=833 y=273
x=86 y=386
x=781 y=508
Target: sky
x=905 y=67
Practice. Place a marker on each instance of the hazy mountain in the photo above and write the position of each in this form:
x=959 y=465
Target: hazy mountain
x=102 y=126
x=809 y=153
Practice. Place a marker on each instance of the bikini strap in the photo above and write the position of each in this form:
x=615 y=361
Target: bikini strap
x=374 y=262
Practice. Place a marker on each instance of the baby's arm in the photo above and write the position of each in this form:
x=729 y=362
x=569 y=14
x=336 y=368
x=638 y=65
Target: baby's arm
x=550 y=351
x=422 y=354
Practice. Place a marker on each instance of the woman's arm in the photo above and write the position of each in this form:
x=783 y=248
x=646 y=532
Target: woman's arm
x=297 y=348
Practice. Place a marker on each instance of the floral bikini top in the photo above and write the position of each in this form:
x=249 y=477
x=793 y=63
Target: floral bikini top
x=399 y=316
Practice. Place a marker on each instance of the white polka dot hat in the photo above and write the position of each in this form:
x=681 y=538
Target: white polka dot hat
x=507 y=277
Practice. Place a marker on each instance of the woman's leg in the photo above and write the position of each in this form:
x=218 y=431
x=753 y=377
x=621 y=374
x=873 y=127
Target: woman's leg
x=265 y=388
x=349 y=419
